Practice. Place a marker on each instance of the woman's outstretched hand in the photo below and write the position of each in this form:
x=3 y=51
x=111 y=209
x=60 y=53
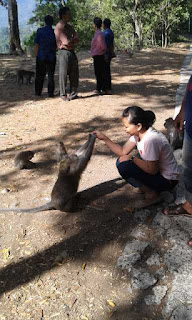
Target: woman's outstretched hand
x=100 y=135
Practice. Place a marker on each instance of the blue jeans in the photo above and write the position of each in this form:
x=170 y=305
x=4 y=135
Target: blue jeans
x=137 y=177
x=187 y=165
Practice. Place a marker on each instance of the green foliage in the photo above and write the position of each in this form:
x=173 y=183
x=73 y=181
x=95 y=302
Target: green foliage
x=134 y=22
x=29 y=41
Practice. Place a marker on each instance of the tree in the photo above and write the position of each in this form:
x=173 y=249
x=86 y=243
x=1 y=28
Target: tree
x=13 y=27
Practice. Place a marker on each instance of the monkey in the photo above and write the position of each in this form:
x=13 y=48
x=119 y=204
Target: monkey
x=24 y=74
x=65 y=188
x=174 y=136
x=129 y=52
x=22 y=160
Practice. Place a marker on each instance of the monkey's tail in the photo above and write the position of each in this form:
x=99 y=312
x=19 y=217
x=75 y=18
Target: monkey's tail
x=47 y=206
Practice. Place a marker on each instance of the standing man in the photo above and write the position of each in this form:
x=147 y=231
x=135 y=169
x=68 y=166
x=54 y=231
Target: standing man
x=66 y=39
x=45 y=51
x=109 y=40
x=98 y=49
x=185 y=114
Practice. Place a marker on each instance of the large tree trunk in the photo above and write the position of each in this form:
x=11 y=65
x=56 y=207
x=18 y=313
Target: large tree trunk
x=13 y=28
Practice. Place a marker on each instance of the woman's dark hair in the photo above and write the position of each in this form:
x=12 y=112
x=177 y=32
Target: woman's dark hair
x=107 y=22
x=63 y=11
x=98 y=22
x=138 y=115
x=48 y=20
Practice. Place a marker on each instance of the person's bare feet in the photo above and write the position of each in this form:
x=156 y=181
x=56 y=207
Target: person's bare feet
x=190 y=242
x=187 y=206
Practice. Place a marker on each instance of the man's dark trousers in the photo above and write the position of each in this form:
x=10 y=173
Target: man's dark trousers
x=107 y=72
x=68 y=66
x=99 y=65
x=43 y=67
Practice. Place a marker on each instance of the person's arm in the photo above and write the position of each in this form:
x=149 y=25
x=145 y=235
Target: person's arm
x=114 y=147
x=35 y=48
x=151 y=167
x=179 y=120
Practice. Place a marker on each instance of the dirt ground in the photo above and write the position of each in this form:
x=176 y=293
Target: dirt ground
x=62 y=266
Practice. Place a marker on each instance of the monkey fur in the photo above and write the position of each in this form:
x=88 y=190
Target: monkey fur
x=60 y=151
x=22 y=160
x=65 y=189
x=24 y=74
x=174 y=135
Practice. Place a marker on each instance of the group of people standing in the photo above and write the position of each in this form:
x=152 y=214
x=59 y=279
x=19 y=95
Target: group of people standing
x=64 y=38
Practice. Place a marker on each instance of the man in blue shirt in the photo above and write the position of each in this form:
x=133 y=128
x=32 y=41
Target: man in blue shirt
x=109 y=40
x=45 y=50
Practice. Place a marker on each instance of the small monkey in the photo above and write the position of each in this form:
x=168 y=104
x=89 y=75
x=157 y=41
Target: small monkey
x=174 y=136
x=24 y=74
x=22 y=160
x=65 y=189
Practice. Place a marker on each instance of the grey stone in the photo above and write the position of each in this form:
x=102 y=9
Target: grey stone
x=131 y=254
x=126 y=261
x=161 y=221
x=142 y=279
x=141 y=215
x=159 y=293
x=154 y=260
x=181 y=291
x=160 y=273
x=182 y=313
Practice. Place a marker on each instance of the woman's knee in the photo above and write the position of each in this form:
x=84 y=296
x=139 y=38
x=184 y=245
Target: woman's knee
x=123 y=167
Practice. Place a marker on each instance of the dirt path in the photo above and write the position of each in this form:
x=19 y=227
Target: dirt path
x=56 y=265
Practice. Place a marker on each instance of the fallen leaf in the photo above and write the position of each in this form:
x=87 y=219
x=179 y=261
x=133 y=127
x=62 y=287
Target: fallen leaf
x=6 y=253
x=111 y=303
x=83 y=266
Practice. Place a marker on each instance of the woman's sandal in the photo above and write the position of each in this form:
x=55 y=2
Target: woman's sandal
x=176 y=210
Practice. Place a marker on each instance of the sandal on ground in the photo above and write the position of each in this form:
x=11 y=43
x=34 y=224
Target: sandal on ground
x=176 y=210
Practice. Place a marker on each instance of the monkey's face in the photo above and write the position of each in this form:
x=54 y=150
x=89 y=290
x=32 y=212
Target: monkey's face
x=30 y=155
x=169 y=123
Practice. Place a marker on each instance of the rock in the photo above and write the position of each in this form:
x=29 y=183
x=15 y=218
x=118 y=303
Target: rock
x=141 y=215
x=131 y=254
x=142 y=279
x=160 y=274
x=154 y=260
x=159 y=293
x=180 y=290
x=182 y=313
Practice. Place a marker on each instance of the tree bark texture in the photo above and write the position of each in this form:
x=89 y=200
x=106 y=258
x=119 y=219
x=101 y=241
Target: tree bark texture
x=13 y=28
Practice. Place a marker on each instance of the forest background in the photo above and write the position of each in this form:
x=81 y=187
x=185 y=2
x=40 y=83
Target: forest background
x=136 y=23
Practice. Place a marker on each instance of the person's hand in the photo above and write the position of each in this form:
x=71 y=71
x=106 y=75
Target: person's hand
x=179 y=120
x=100 y=135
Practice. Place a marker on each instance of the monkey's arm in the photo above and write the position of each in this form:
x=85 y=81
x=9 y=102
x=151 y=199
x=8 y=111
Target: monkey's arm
x=85 y=155
x=35 y=49
x=82 y=149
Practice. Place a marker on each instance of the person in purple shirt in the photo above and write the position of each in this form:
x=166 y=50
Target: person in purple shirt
x=109 y=40
x=45 y=51
x=98 y=49
x=185 y=114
